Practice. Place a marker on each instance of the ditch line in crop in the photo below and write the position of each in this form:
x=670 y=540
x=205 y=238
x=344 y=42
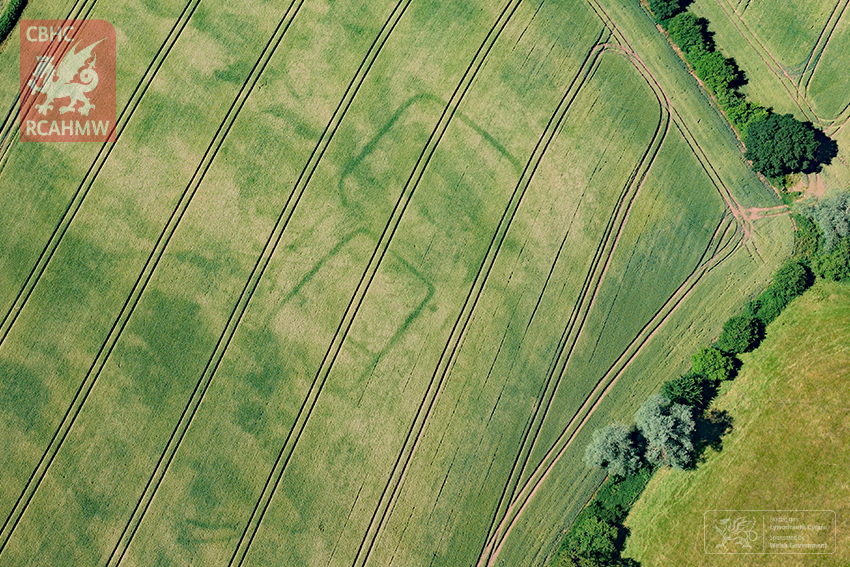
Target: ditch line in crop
x=304 y=413
x=251 y=285
x=451 y=349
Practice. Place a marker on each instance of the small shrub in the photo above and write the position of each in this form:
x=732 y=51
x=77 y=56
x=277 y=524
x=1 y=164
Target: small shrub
x=617 y=496
x=789 y=281
x=713 y=364
x=687 y=389
x=591 y=538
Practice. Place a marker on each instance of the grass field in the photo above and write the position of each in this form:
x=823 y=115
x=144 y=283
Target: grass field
x=794 y=387
x=360 y=293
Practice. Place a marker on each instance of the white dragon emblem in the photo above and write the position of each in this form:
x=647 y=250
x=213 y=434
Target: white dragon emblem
x=739 y=531
x=57 y=83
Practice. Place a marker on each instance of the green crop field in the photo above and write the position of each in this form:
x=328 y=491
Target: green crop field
x=794 y=387
x=357 y=279
x=794 y=56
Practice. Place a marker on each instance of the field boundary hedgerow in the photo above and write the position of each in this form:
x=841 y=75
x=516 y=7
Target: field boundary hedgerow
x=88 y=180
x=250 y=286
x=788 y=282
x=282 y=460
x=9 y=15
x=144 y=277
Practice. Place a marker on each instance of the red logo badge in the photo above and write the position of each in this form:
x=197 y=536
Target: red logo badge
x=67 y=81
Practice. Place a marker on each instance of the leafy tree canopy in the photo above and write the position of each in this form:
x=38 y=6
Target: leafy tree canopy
x=592 y=538
x=668 y=429
x=716 y=71
x=832 y=215
x=665 y=9
x=780 y=144
x=690 y=33
x=613 y=448
x=740 y=334
x=688 y=389
x=835 y=264
x=713 y=364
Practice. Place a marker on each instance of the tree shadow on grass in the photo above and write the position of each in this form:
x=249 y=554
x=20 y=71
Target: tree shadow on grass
x=827 y=149
x=710 y=429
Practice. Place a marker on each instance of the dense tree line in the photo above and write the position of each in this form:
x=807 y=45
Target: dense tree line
x=776 y=144
x=597 y=536
x=673 y=427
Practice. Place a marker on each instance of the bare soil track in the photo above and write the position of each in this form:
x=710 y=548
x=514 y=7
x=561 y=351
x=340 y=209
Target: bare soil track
x=459 y=328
